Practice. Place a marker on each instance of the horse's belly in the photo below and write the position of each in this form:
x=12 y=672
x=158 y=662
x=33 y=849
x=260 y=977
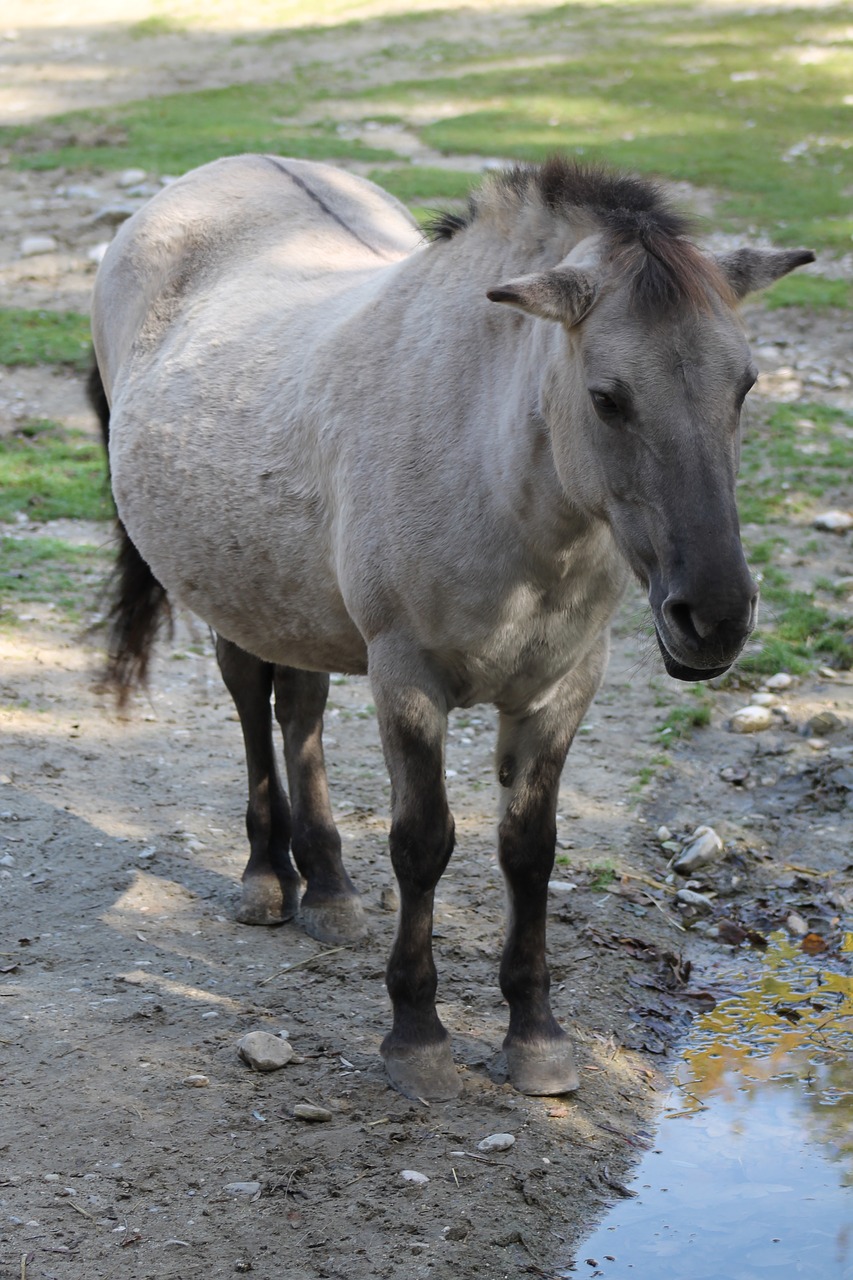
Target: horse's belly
x=256 y=567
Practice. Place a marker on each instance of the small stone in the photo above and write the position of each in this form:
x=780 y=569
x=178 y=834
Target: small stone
x=242 y=1188
x=818 y=744
x=459 y=1231
x=33 y=245
x=112 y=215
x=825 y=722
x=663 y=834
x=764 y=700
x=314 y=1115
x=389 y=899
x=51 y=1177
x=561 y=886
x=751 y=719
x=695 y=901
x=412 y=1175
x=7 y=860
x=497 y=1142
x=781 y=680
x=263 y=1051
x=704 y=846
x=827 y=673
x=796 y=924
x=130 y=177
x=833 y=521
x=196 y=1081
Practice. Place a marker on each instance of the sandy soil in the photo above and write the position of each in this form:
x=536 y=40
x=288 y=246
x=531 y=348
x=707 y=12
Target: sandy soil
x=123 y=974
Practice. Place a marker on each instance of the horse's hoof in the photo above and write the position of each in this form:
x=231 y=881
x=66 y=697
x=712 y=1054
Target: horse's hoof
x=542 y=1068
x=338 y=920
x=426 y=1072
x=265 y=899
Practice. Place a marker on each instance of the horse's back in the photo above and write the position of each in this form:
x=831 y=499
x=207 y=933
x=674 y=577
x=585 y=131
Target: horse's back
x=246 y=224
x=206 y=309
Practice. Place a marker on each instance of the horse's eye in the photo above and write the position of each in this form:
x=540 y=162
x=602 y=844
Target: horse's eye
x=605 y=406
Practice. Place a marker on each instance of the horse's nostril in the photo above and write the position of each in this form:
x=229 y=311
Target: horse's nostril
x=681 y=620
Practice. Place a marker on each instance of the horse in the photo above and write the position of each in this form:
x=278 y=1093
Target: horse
x=435 y=459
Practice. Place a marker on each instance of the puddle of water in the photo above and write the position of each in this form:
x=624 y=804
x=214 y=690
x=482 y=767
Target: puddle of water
x=751 y=1177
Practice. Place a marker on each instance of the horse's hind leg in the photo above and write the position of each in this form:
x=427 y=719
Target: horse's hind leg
x=331 y=909
x=270 y=893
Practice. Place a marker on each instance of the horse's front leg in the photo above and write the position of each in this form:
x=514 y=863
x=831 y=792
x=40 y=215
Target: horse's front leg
x=530 y=757
x=412 y=712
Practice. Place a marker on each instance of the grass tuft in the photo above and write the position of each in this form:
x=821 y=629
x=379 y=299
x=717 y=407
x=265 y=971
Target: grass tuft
x=49 y=473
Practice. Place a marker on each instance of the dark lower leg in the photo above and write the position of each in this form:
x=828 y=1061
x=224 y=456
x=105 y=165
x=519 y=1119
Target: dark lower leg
x=412 y=719
x=331 y=908
x=270 y=892
x=538 y=1052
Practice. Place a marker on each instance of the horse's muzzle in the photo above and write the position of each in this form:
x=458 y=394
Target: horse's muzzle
x=696 y=646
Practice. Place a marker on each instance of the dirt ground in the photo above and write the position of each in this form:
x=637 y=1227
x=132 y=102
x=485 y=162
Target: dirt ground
x=123 y=974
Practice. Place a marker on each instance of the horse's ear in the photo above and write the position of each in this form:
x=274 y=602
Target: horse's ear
x=564 y=294
x=749 y=269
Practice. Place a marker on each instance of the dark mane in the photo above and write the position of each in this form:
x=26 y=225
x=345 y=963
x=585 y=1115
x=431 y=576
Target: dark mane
x=647 y=236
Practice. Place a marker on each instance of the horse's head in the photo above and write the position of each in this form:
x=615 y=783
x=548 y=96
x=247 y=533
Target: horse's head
x=643 y=398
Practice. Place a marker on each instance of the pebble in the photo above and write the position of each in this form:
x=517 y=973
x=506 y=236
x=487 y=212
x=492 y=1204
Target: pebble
x=497 y=1142
x=825 y=722
x=389 y=899
x=663 y=834
x=781 y=680
x=263 y=1051
x=818 y=744
x=833 y=521
x=130 y=177
x=696 y=901
x=314 y=1115
x=412 y=1175
x=32 y=245
x=703 y=847
x=242 y=1188
x=796 y=924
x=764 y=700
x=112 y=215
x=561 y=886
x=752 y=719
x=196 y=1081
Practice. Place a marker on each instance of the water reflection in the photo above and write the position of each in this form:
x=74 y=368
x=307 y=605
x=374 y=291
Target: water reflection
x=752 y=1175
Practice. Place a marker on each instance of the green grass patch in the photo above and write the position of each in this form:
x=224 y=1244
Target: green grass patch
x=749 y=103
x=602 y=874
x=50 y=473
x=732 y=101
x=48 y=571
x=182 y=130
x=796 y=633
x=814 y=292
x=798 y=457
x=681 y=721
x=419 y=184
x=44 y=337
x=792 y=459
x=156 y=25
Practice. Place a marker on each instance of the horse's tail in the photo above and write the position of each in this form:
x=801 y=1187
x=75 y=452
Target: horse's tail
x=138 y=603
